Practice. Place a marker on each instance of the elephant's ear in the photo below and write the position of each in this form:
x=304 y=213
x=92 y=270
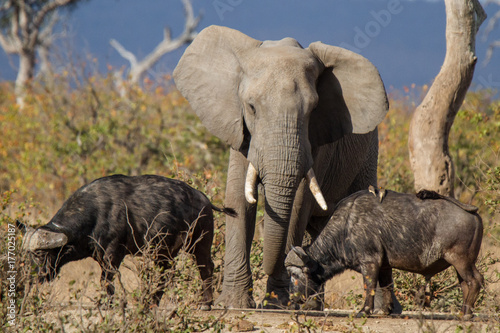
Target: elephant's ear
x=208 y=76
x=352 y=97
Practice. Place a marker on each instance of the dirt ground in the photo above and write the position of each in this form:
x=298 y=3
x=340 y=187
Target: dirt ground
x=342 y=321
x=86 y=273
x=274 y=321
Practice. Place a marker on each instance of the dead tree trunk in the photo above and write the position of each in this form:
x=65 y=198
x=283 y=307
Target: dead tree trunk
x=25 y=72
x=26 y=26
x=430 y=125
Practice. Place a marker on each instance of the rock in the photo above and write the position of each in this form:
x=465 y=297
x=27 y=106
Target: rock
x=244 y=326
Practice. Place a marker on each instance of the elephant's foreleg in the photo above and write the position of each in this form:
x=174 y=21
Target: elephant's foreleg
x=237 y=285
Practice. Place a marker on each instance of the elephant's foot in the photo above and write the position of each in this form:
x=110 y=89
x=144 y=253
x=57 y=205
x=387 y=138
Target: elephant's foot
x=234 y=299
x=277 y=295
x=363 y=313
x=275 y=301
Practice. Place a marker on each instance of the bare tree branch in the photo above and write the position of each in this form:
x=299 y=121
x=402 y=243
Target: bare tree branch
x=124 y=53
x=480 y=17
x=5 y=6
x=46 y=35
x=39 y=18
x=9 y=44
x=46 y=39
x=489 y=52
x=47 y=8
x=138 y=68
x=492 y=23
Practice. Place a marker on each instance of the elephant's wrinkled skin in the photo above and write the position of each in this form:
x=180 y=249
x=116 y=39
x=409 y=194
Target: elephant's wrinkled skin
x=287 y=112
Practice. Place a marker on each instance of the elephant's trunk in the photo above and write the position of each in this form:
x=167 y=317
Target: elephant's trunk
x=282 y=168
x=278 y=208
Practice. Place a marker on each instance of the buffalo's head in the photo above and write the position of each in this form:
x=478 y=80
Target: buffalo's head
x=46 y=248
x=304 y=289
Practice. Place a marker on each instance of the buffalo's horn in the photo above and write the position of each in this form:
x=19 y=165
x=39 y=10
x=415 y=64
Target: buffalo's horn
x=44 y=240
x=250 y=183
x=27 y=233
x=296 y=257
x=315 y=189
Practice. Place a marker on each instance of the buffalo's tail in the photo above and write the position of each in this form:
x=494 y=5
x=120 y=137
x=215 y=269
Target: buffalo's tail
x=426 y=194
x=228 y=211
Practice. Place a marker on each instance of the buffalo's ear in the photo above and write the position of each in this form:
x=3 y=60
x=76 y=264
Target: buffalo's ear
x=297 y=257
x=208 y=75
x=352 y=97
x=21 y=226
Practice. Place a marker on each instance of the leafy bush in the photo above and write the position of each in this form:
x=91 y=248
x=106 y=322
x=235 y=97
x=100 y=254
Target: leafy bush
x=70 y=133
x=394 y=170
x=78 y=129
x=63 y=138
x=475 y=146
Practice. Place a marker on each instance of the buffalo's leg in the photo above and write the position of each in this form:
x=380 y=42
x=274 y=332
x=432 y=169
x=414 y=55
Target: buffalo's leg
x=370 y=276
x=479 y=282
x=107 y=276
x=427 y=292
x=471 y=281
x=165 y=266
x=109 y=267
x=164 y=260
x=463 y=285
x=424 y=294
x=386 y=286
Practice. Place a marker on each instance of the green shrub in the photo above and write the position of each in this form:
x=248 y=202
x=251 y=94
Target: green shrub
x=74 y=131
x=64 y=138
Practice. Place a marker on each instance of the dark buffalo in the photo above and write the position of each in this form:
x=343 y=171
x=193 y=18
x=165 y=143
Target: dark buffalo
x=117 y=215
x=371 y=234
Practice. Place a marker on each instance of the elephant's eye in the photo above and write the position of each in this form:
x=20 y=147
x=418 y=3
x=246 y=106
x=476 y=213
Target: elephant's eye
x=252 y=108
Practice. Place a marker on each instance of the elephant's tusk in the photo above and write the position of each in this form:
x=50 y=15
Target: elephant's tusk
x=250 y=184
x=315 y=190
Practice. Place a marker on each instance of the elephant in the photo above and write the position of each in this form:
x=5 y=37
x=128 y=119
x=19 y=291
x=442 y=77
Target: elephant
x=301 y=124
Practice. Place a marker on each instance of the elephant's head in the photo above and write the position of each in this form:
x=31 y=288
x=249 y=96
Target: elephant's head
x=275 y=101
